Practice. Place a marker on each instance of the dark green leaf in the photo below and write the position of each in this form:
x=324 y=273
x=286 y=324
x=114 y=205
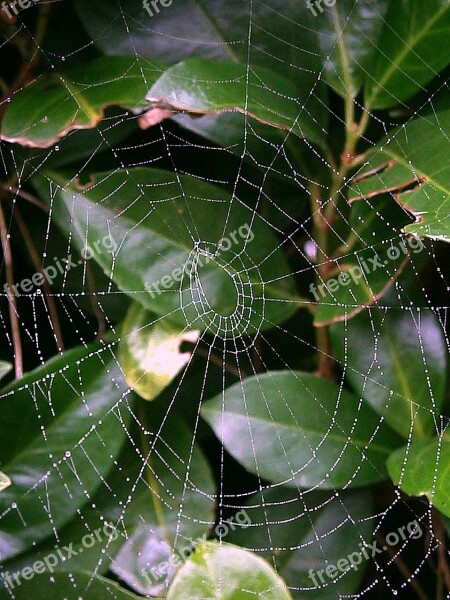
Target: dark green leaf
x=225 y=572
x=411 y=51
x=395 y=359
x=57 y=457
x=423 y=469
x=297 y=429
x=49 y=109
x=160 y=222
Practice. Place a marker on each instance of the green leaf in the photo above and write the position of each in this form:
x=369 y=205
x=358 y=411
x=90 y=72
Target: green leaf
x=225 y=572
x=348 y=36
x=199 y=86
x=423 y=469
x=395 y=359
x=79 y=395
x=53 y=106
x=411 y=50
x=297 y=429
x=149 y=352
x=5 y=368
x=64 y=585
x=364 y=268
x=278 y=519
x=405 y=165
x=171 y=232
x=284 y=39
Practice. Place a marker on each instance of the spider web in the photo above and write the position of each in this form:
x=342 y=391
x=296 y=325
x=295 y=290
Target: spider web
x=290 y=526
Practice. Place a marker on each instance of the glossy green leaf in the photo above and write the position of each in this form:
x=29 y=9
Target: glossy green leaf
x=276 y=520
x=367 y=264
x=5 y=368
x=185 y=250
x=53 y=106
x=225 y=572
x=349 y=31
x=71 y=586
x=200 y=86
x=413 y=164
x=423 y=469
x=284 y=39
x=410 y=52
x=395 y=359
x=80 y=395
x=294 y=428
x=149 y=352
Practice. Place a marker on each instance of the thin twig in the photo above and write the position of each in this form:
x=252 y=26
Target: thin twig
x=13 y=313
x=45 y=286
x=25 y=195
x=404 y=569
x=32 y=59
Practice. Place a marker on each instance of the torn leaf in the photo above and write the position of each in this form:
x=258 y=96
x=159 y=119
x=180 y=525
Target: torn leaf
x=204 y=87
x=413 y=165
x=49 y=109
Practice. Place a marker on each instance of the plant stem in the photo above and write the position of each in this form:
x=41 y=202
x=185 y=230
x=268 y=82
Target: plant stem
x=13 y=313
x=25 y=195
x=47 y=291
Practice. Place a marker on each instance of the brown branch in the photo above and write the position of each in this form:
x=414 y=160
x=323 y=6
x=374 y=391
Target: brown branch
x=13 y=313
x=45 y=286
